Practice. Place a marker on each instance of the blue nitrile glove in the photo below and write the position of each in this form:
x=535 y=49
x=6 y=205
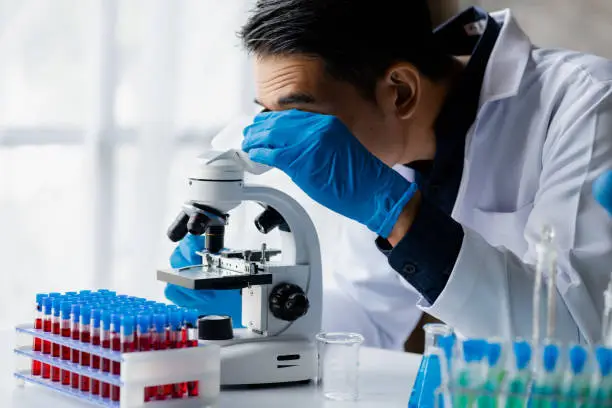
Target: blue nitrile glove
x=225 y=302
x=325 y=160
x=602 y=191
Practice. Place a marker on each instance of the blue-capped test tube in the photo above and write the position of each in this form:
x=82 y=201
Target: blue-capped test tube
x=66 y=311
x=105 y=339
x=47 y=328
x=57 y=330
x=75 y=331
x=38 y=325
x=96 y=316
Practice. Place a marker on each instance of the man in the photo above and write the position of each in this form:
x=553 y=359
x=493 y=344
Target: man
x=504 y=138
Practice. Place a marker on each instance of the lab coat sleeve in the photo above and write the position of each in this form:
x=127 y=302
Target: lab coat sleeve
x=367 y=296
x=489 y=291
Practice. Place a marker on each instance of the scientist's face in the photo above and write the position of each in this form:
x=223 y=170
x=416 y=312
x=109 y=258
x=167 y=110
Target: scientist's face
x=381 y=125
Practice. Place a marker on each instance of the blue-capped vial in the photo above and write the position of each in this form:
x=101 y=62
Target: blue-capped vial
x=84 y=292
x=54 y=294
x=127 y=325
x=96 y=315
x=105 y=319
x=143 y=321
x=75 y=312
x=48 y=306
x=66 y=309
x=57 y=302
x=85 y=315
x=116 y=321
x=161 y=321
x=176 y=319
x=39 y=301
x=191 y=318
x=70 y=293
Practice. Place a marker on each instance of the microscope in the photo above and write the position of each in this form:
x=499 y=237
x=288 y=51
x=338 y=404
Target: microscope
x=281 y=300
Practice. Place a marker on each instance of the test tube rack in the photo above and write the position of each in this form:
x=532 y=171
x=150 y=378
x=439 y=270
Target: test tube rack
x=138 y=371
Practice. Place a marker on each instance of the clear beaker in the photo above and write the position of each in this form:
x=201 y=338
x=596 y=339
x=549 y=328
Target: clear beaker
x=429 y=376
x=338 y=373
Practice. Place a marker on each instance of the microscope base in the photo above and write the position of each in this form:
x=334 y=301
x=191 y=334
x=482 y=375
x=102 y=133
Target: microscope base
x=268 y=362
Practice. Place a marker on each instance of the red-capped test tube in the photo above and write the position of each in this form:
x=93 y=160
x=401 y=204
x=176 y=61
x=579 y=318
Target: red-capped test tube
x=47 y=328
x=96 y=314
x=85 y=328
x=75 y=331
x=56 y=330
x=105 y=340
x=143 y=331
x=158 y=342
x=115 y=346
x=191 y=327
x=66 y=311
x=38 y=325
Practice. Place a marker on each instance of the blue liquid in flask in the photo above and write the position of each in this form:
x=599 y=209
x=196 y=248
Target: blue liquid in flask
x=429 y=376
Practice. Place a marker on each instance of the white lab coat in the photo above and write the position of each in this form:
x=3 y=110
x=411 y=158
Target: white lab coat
x=543 y=134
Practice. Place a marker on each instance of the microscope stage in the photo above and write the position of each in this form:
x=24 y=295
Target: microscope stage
x=211 y=277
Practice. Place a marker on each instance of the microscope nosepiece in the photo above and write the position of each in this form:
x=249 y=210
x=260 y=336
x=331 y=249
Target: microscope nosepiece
x=197 y=224
x=178 y=228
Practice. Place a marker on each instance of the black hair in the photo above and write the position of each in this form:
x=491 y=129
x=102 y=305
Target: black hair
x=358 y=40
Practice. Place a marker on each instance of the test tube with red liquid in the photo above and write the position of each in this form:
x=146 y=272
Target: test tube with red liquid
x=115 y=337
x=38 y=325
x=96 y=314
x=178 y=390
x=85 y=329
x=56 y=330
x=191 y=327
x=75 y=331
x=47 y=328
x=143 y=331
x=158 y=342
x=127 y=342
x=105 y=340
x=66 y=312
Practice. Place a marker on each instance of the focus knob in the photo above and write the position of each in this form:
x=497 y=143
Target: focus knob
x=288 y=302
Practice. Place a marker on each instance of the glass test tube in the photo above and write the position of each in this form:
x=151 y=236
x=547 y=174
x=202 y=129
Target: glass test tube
x=84 y=326
x=47 y=328
x=127 y=345
x=158 y=342
x=191 y=326
x=144 y=344
x=75 y=331
x=115 y=346
x=96 y=313
x=38 y=325
x=66 y=311
x=176 y=341
x=56 y=330
x=105 y=340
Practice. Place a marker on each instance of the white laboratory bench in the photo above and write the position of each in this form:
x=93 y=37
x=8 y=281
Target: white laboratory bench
x=386 y=378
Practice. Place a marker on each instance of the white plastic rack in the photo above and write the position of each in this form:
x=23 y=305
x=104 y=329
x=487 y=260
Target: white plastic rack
x=139 y=370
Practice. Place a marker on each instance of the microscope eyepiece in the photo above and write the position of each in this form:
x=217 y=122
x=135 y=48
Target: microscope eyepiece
x=215 y=236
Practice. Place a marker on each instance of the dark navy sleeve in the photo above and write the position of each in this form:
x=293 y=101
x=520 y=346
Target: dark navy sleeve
x=425 y=257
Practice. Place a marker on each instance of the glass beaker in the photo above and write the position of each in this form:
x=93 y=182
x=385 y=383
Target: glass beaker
x=338 y=373
x=429 y=376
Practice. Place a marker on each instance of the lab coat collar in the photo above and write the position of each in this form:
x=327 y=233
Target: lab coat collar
x=507 y=61
x=472 y=32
